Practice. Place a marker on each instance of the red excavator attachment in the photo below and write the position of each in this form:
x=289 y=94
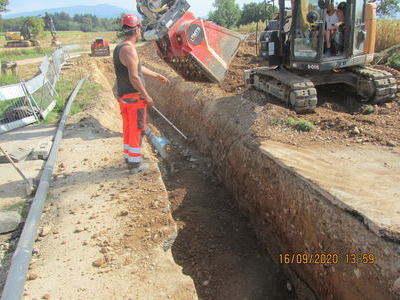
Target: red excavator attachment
x=199 y=50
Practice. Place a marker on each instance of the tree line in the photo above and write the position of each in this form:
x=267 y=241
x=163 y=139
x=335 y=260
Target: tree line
x=228 y=13
x=64 y=22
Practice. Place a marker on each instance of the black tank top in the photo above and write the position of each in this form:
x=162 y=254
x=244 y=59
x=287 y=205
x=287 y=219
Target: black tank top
x=124 y=86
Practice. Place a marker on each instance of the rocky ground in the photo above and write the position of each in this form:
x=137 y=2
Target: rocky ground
x=172 y=233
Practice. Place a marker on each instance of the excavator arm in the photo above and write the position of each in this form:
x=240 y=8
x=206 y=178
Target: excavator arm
x=196 y=49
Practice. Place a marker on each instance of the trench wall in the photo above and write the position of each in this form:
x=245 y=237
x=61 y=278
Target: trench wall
x=290 y=214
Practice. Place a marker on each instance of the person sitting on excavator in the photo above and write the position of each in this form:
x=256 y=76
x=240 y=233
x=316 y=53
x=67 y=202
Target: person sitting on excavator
x=333 y=19
x=132 y=94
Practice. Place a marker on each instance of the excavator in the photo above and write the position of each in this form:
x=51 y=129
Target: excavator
x=293 y=48
x=25 y=39
x=196 y=49
x=50 y=25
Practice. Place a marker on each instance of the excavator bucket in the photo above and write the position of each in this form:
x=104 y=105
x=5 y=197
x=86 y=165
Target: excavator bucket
x=199 y=50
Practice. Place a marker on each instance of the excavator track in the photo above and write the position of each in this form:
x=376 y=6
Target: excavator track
x=384 y=83
x=297 y=92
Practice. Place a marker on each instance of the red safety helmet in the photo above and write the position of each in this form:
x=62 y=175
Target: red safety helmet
x=130 y=20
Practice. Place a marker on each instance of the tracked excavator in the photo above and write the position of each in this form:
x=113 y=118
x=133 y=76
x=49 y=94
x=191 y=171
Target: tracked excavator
x=292 y=47
x=25 y=39
x=50 y=25
x=298 y=60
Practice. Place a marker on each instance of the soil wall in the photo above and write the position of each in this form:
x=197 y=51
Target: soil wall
x=287 y=210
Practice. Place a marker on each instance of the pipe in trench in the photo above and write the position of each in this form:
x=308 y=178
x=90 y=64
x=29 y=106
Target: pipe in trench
x=16 y=277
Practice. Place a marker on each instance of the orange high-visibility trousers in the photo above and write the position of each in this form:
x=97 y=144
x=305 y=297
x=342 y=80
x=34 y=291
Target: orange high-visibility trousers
x=133 y=111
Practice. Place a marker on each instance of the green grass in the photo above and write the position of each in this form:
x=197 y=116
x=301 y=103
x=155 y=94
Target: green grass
x=367 y=109
x=24 y=53
x=64 y=88
x=394 y=61
x=8 y=79
x=297 y=124
x=300 y=124
x=19 y=207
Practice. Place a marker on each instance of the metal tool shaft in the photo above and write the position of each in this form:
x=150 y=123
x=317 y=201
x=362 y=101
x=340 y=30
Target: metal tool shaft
x=14 y=165
x=169 y=122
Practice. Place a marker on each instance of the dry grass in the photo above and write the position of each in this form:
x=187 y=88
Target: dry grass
x=388 y=34
x=250 y=28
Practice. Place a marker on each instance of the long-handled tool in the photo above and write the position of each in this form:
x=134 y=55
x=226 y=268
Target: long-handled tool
x=30 y=188
x=169 y=122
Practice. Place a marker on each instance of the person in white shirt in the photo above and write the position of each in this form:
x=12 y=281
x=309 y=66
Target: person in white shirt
x=333 y=19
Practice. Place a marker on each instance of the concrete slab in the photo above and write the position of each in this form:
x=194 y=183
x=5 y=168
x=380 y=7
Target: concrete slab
x=9 y=221
x=12 y=186
x=42 y=150
x=365 y=179
x=27 y=137
x=16 y=154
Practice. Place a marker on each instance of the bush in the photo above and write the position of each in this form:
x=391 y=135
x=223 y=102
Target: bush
x=300 y=125
x=394 y=61
x=367 y=109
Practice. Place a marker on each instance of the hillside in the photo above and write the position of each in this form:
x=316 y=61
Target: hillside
x=100 y=10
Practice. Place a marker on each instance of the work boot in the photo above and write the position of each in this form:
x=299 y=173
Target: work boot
x=140 y=168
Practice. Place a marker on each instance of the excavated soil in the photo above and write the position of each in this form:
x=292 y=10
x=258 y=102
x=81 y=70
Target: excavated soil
x=112 y=235
x=338 y=118
x=214 y=244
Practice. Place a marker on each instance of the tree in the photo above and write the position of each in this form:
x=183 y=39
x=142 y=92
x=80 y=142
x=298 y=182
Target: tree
x=87 y=24
x=226 y=13
x=36 y=24
x=388 y=7
x=254 y=12
x=3 y=5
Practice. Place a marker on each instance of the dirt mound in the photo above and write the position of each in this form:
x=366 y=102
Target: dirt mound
x=339 y=118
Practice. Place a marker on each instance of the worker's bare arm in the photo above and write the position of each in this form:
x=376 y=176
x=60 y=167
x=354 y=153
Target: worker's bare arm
x=149 y=73
x=130 y=59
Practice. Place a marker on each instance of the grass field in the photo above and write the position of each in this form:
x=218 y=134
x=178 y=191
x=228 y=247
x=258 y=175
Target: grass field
x=12 y=54
x=64 y=87
x=65 y=37
x=71 y=37
x=388 y=34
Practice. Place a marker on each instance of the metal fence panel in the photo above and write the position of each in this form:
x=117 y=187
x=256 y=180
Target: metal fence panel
x=24 y=103
x=9 y=92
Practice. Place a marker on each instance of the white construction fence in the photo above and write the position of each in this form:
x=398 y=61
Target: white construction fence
x=31 y=101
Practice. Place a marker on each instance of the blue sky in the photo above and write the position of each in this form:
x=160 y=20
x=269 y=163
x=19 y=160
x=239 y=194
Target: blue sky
x=199 y=8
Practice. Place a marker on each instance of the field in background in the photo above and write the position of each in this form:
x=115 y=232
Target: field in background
x=11 y=54
x=71 y=37
x=388 y=34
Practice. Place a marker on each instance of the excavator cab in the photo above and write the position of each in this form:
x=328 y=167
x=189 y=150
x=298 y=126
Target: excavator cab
x=304 y=40
x=320 y=42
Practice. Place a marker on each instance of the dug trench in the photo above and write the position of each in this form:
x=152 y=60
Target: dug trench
x=215 y=244
x=239 y=173
x=170 y=232
x=329 y=196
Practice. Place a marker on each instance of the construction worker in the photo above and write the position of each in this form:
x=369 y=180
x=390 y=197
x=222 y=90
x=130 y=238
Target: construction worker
x=132 y=94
